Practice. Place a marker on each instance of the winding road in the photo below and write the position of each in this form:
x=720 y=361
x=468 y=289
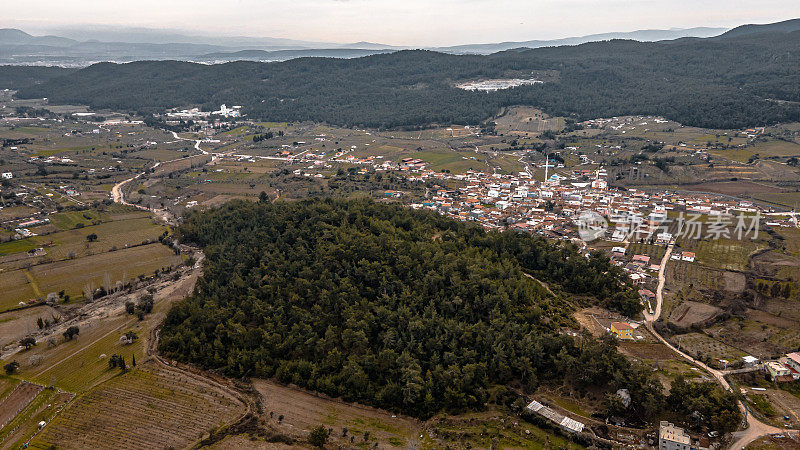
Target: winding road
x=755 y=428
x=196 y=142
x=116 y=192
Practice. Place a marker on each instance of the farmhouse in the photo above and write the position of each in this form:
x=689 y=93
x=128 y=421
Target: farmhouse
x=688 y=256
x=776 y=370
x=622 y=330
x=793 y=364
x=671 y=437
x=793 y=361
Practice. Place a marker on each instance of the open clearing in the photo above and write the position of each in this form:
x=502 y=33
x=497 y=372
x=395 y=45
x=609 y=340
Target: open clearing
x=16 y=325
x=303 y=411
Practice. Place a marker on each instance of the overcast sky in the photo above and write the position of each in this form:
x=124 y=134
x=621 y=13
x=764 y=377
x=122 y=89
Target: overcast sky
x=397 y=22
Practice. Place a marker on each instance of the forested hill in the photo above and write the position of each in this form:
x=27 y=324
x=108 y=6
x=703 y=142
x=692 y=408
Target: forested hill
x=724 y=82
x=388 y=306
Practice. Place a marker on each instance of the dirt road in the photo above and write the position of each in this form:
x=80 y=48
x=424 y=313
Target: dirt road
x=661 y=280
x=116 y=192
x=755 y=428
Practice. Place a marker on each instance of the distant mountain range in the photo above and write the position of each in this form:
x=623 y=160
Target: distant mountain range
x=74 y=47
x=641 y=35
x=80 y=47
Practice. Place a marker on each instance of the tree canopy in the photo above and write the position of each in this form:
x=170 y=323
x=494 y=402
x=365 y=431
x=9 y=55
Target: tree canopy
x=381 y=304
x=724 y=82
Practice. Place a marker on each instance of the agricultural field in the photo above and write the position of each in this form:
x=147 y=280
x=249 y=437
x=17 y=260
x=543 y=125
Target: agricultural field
x=705 y=347
x=81 y=363
x=522 y=120
x=150 y=406
x=761 y=149
x=493 y=429
x=367 y=427
x=46 y=405
x=727 y=254
x=74 y=276
x=690 y=312
x=16 y=400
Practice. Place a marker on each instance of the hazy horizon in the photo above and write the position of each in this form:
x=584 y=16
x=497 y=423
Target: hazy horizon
x=414 y=23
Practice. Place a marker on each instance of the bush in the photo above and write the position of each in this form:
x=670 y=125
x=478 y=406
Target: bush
x=318 y=436
x=11 y=367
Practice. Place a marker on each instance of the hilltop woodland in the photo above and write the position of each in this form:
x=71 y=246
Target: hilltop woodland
x=401 y=309
x=731 y=81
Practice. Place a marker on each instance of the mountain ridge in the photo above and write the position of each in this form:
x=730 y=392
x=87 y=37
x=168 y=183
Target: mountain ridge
x=80 y=48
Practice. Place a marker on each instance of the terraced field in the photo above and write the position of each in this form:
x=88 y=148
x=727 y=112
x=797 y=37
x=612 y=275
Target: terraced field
x=151 y=406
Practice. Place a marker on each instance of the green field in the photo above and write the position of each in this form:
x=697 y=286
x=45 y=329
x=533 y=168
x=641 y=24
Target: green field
x=67 y=220
x=90 y=271
x=728 y=254
x=125 y=230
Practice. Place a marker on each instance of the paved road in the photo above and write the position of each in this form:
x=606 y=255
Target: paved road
x=756 y=428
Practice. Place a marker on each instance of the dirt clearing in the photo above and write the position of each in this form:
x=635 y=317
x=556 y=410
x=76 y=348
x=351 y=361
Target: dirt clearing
x=303 y=411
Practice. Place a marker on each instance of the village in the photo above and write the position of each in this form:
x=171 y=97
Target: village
x=55 y=200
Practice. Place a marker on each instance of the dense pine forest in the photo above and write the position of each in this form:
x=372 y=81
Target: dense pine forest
x=730 y=81
x=396 y=308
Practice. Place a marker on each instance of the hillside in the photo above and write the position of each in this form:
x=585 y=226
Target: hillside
x=787 y=26
x=383 y=305
x=715 y=82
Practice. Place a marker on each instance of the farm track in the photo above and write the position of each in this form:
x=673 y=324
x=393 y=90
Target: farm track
x=244 y=393
x=755 y=428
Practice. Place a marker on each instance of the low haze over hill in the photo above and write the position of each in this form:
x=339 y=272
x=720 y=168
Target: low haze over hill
x=81 y=47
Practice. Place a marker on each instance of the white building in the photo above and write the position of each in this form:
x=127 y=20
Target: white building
x=776 y=369
x=7 y=175
x=233 y=111
x=671 y=437
x=750 y=361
